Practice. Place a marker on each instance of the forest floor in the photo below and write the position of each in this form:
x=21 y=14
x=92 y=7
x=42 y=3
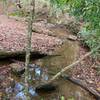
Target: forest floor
x=88 y=70
x=15 y=41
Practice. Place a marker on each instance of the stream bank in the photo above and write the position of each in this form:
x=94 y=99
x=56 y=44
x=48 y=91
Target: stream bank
x=65 y=55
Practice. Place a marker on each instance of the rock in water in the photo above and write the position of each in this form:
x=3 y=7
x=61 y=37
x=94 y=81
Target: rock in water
x=20 y=96
x=37 y=72
x=18 y=87
x=32 y=91
x=17 y=69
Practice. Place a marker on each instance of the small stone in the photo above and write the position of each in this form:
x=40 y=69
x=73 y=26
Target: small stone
x=90 y=81
x=78 y=76
x=9 y=90
x=38 y=72
x=45 y=77
x=72 y=37
x=32 y=91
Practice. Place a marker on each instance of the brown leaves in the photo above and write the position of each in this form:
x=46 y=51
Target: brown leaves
x=85 y=71
x=13 y=35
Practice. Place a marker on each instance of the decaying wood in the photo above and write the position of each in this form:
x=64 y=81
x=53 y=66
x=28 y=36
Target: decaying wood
x=83 y=85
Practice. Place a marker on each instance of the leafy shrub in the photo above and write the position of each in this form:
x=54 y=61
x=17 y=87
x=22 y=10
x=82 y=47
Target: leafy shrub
x=90 y=39
x=89 y=12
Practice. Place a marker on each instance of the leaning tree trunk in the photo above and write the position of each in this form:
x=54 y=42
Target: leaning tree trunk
x=28 y=48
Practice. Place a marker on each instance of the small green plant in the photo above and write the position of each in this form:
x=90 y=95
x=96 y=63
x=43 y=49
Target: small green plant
x=62 y=98
x=17 y=13
x=20 y=14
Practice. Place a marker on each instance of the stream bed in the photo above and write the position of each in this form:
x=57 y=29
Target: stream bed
x=41 y=70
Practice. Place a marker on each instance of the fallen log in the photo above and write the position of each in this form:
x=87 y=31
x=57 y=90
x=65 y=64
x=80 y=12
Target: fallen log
x=83 y=85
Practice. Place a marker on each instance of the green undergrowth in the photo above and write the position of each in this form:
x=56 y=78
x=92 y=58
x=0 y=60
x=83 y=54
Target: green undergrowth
x=19 y=13
x=91 y=39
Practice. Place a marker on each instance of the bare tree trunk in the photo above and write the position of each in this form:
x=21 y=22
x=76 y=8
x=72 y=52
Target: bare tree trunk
x=28 y=48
